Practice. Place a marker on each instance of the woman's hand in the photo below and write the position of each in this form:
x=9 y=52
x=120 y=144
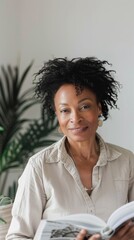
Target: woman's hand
x=125 y=233
x=83 y=233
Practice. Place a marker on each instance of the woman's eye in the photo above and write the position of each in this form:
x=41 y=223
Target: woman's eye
x=84 y=107
x=64 y=110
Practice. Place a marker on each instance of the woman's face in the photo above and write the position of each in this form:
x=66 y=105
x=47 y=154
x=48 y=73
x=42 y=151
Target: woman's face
x=77 y=115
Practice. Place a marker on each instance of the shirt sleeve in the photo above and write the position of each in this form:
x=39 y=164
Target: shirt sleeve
x=131 y=181
x=29 y=204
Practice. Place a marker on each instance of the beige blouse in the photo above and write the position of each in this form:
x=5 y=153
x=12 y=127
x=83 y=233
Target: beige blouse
x=50 y=187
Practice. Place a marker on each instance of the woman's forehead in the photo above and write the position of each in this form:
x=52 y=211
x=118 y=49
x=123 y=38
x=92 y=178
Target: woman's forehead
x=68 y=92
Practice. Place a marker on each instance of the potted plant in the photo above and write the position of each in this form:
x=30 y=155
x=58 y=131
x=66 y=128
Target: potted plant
x=5 y=215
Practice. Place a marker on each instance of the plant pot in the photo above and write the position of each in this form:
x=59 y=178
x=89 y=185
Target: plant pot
x=5 y=213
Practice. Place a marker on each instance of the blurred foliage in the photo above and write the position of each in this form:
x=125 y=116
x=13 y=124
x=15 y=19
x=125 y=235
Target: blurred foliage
x=18 y=143
x=4 y=201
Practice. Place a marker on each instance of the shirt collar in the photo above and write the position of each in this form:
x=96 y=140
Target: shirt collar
x=107 y=152
x=58 y=152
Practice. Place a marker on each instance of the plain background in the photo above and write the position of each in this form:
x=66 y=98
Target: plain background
x=42 y=29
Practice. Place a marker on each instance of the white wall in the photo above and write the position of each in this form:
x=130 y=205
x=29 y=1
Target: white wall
x=73 y=28
x=9 y=31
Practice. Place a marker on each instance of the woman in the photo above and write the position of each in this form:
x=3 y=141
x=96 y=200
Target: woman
x=80 y=173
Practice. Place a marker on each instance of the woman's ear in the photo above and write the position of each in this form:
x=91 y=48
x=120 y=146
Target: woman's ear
x=100 y=120
x=100 y=109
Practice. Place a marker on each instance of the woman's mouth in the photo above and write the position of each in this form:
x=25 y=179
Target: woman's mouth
x=78 y=130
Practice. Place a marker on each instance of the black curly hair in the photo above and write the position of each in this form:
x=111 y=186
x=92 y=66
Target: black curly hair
x=83 y=73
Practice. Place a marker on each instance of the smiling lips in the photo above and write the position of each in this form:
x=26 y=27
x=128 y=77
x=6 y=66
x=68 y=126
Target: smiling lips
x=78 y=130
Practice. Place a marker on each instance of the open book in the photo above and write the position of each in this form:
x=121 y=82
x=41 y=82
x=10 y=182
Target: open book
x=67 y=228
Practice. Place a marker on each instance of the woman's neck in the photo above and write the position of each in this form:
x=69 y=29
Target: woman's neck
x=83 y=151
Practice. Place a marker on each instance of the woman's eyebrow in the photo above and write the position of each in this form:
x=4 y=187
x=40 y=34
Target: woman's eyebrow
x=88 y=98
x=63 y=104
x=82 y=100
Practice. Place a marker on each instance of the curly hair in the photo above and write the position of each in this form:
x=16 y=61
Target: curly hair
x=83 y=73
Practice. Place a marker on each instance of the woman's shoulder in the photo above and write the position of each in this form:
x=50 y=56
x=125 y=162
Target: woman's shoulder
x=113 y=149
x=113 y=152
x=49 y=153
x=123 y=151
x=119 y=148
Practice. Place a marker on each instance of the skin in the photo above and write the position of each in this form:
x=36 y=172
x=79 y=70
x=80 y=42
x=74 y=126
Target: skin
x=78 y=120
x=78 y=117
x=76 y=111
x=83 y=233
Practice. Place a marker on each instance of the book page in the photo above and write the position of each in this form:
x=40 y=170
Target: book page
x=76 y=222
x=88 y=221
x=56 y=231
x=121 y=215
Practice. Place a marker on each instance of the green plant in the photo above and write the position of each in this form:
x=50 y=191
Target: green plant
x=1 y=129
x=13 y=102
x=19 y=141
x=4 y=201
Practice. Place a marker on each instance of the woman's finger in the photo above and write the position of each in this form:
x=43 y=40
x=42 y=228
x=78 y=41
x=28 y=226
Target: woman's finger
x=95 y=237
x=83 y=236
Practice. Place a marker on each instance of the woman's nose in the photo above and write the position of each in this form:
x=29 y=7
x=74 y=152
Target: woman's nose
x=75 y=117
